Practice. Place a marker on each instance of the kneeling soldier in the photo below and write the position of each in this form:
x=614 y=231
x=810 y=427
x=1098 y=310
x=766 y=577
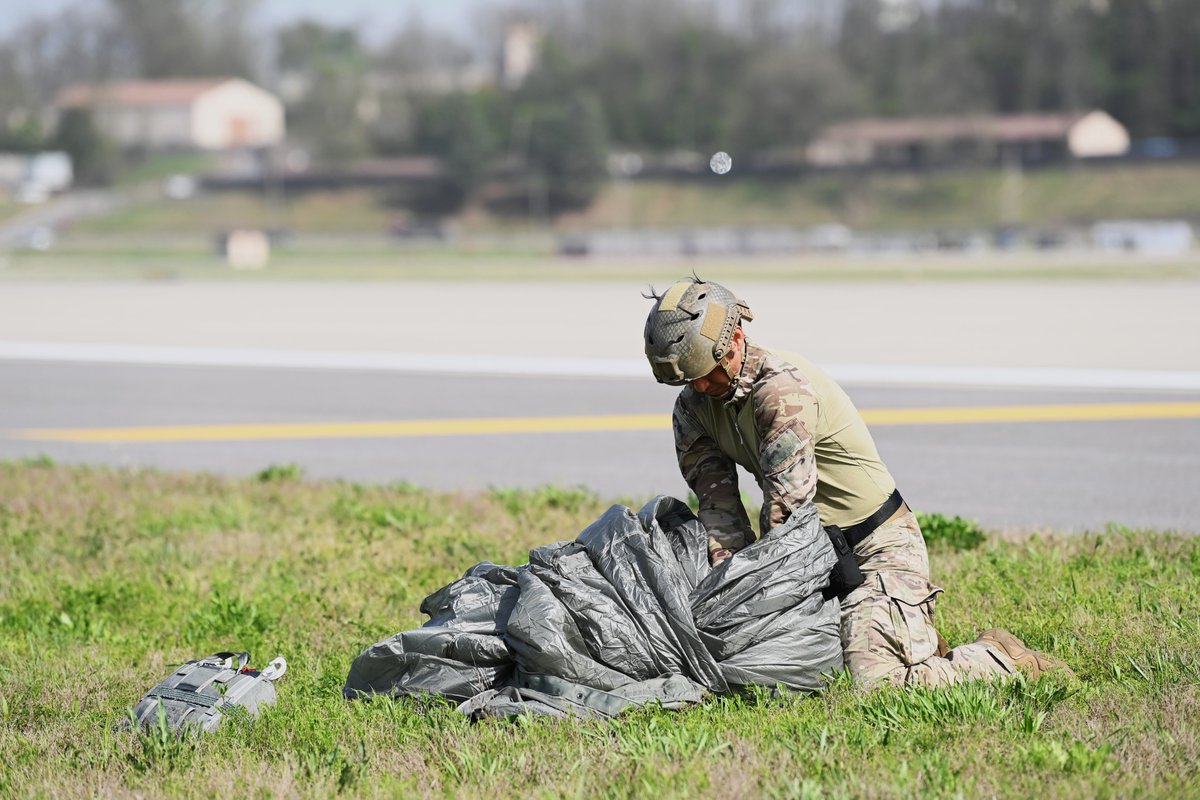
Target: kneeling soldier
x=797 y=432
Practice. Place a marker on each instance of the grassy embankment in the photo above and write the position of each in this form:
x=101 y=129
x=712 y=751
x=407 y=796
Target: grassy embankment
x=883 y=201
x=872 y=202
x=343 y=235
x=380 y=263
x=113 y=576
x=9 y=209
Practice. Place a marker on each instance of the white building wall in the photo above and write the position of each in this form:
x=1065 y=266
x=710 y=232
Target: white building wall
x=1097 y=134
x=838 y=153
x=236 y=114
x=521 y=42
x=156 y=128
x=167 y=127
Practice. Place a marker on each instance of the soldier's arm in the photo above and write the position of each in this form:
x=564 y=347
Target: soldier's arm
x=785 y=412
x=712 y=475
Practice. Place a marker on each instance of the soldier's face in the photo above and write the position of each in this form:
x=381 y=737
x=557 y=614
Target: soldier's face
x=714 y=384
x=717 y=383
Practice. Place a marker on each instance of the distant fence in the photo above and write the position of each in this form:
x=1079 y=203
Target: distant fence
x=1151 y=238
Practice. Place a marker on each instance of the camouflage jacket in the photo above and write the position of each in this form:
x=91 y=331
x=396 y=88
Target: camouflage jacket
x=799 y=435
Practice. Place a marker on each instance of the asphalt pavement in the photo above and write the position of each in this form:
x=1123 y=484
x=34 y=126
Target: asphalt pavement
x=1072 y=474
x=1065 y=404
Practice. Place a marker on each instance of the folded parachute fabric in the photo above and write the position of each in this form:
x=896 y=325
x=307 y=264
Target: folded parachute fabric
x=629 y=613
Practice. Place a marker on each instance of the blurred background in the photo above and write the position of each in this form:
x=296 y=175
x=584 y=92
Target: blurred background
x=587 y=127
x=286 y=212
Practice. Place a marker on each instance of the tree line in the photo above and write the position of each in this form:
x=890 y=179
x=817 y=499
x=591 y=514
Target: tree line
x=753 y=77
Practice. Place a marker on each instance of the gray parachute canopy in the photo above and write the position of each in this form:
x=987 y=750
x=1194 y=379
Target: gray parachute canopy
x=628 y=613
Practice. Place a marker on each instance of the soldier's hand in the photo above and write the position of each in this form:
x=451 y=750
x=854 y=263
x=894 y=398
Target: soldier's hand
x=717 y=556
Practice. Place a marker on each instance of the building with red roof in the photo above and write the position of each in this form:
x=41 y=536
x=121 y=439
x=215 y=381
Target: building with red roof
x=930 y=140
x=211 y=114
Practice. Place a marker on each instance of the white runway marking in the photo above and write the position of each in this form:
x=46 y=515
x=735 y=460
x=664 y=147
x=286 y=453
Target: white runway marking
x=557 y=366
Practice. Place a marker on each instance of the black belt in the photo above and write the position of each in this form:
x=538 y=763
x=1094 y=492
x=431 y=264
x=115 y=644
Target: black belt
x=856 y=533
x=845 y=576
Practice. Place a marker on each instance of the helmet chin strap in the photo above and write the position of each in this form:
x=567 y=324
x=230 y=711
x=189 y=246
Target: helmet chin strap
x=727 y=363
x=725 y=368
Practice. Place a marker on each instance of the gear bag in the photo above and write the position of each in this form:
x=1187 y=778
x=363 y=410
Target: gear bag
x=197 y=695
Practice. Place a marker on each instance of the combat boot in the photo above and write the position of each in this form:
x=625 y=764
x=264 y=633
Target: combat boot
x=1033 y=663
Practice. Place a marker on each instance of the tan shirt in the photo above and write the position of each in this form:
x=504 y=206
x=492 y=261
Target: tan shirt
x=793 y=428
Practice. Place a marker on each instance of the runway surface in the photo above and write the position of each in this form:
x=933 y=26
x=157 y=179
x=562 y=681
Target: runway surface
x=1064 y=404
x=1130 y=458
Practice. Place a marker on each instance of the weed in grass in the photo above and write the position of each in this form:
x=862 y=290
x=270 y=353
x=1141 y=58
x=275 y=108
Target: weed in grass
x=645 y=734
x=1073 y=757
x=226 y=617
x=964 y=703
x=940 y=776
x=950 y=533
x=799 y=789
x=469 y=765
x=368 y=519
x=346 y=769
x=1031 y=721
x=1157 y=667
x=525 y=502
x=159 y=747
x=280 y=472
x=156 y=523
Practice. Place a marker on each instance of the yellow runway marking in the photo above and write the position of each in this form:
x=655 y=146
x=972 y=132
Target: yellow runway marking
x=876 y=417
x=1057 y=413
x=357 y=430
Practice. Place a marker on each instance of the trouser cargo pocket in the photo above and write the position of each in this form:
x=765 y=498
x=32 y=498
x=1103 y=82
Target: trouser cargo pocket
x=911 y=601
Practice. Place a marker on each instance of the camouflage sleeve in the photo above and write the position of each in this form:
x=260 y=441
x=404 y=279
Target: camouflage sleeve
x=712 y=475
x=785 y=412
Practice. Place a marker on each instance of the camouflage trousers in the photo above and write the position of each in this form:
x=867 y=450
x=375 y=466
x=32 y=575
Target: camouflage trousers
x=888 y=635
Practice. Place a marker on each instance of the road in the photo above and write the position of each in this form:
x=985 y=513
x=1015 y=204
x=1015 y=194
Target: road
x=994 y=323
x=1075 y=474
x=327 y=377
x=23 y=229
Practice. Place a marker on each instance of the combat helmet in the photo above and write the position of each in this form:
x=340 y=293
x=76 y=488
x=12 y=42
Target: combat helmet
x=690 y=328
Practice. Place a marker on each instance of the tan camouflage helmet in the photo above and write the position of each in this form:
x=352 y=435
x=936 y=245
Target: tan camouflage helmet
x=690 y=328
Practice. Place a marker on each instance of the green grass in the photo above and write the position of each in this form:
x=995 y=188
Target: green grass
x=878 y=201
x=959 y=199
x=9 y=209
x=158 y=167
x=348 y=212
x=112 y=576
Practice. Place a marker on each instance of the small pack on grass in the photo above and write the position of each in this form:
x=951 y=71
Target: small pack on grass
x=198 y=695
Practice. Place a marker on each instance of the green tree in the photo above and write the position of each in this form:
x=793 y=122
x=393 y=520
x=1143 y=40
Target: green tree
x=455 y=128
x=559 y=132
x=93 y=157
x=25 y=136
x=788 y=95
x=186 y=38
x=568 y=150
x=329 y=65
x=1148 y=65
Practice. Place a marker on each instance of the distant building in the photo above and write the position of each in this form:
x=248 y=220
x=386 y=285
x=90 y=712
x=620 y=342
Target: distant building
x=32 y=178
x=217 y=114
x=522 y=40
x=942 y=140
